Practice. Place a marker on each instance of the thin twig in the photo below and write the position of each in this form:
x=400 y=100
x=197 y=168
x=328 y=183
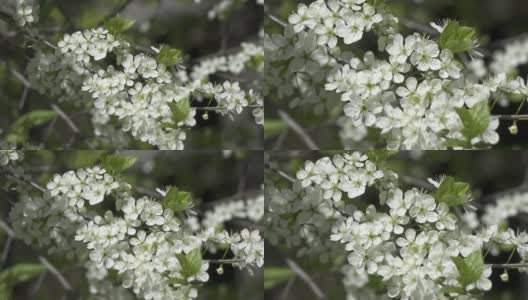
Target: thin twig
x=5 y=253
x=279 y=172
x=286 y=291
x=509 y=266
x=306 y=278
x=224 y=261
x=223 y=107
x=53 y=270
x=7 y=229
x=25 y=180
x=66 y=118
x=276 y=20
x=298 y=130
x=513 y=117
x=23 y=98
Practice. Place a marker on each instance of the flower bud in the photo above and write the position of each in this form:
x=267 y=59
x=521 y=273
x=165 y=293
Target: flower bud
x=504 y=276
x=205 y=116
x=220 y=270
x=514 y=129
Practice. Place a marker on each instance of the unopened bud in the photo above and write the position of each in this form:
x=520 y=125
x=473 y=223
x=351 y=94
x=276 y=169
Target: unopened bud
x=504 y=276
x=514 y=129
x=220 y=270
x=205 y=116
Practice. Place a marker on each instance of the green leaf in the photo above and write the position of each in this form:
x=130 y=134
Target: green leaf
x=451 y=192
x=169 y=56
x=191 y=263
x=469 y=268
x=177 y=200
x=118 y=24
x=17 y=274
x=475 y=119
x=273 y=127
x=115 y=164
x=274 y=276
x=457 y=38
x=19 y=132
x=180 y=110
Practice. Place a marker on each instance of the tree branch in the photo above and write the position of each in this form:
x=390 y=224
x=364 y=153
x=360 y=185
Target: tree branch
x=306 y=278
x=298 y=130
x=279 y=172
x=66 y=118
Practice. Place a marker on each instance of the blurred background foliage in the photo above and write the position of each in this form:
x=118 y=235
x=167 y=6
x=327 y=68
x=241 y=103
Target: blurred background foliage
x=210 y=177
x=490 y=173
x=180 y=24
x=496 y=21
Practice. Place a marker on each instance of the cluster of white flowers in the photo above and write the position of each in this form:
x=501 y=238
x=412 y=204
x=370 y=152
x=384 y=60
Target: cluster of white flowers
x=137 y=91
x=251 y=55
x=512 y=56
x=24 y=12
x=302 y=217
x=141 y=242
x=505 y=207
x=8 y=156
x=134 y=95
x=251 y=209
x=410 y=90
x=410 y=241
x=50 y=221
x=229 y=95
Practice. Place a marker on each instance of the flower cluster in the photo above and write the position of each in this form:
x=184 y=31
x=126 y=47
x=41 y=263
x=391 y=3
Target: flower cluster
x=146 y=245
x=251 y=209
x=50 y=221
x=136 y=94
x=24 y=12
x=137 y=91
x=302 y=217
x=230 y=98
x=506 y=207
x=413 y=90
x=8 y=156
x=414 y=244
x=251 y=55
x=512 y=56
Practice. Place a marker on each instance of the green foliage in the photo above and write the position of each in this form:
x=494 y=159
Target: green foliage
x=469 y=268
x=19 y=132
x=274 y=276
x=15 y=275
x=180 y=110
x=191 y=263
x=115 y=164
x=117 y=24
x=169 y=56
x=475 y=119
x=452 y=192
x=273 y=127
x=177 y=200
x=457 y=38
